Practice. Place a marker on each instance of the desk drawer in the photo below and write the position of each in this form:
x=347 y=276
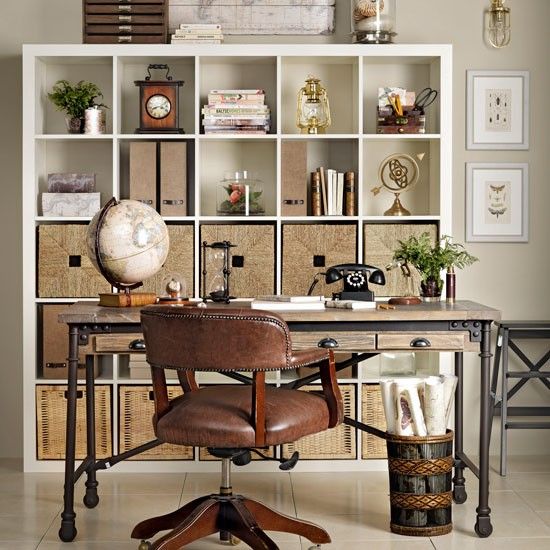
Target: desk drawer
x=115 y=343
x=419 y=341
x=347 y=341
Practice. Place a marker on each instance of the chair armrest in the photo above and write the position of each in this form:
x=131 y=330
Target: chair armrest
x=331 y=390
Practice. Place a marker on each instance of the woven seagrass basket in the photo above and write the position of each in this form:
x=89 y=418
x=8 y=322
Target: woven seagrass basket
x=420 y=470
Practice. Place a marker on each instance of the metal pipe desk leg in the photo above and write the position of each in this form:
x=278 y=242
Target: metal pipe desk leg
x=504 y=402
x=459 y=482
x=67 y=531
x=90 y=498
x=483 y=525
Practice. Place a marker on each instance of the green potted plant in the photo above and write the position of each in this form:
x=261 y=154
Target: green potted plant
x=430 y=259
x=74 y=100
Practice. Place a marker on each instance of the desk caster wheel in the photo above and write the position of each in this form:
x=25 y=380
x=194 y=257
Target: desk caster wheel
x=234 y=541
x=459 y=494
x=483 y=527
x=315 y=547
x=67 y=532
x=91 y=498
x=144 y=545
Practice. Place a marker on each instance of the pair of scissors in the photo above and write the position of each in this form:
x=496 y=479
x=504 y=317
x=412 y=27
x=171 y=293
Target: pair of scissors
x=425 y=98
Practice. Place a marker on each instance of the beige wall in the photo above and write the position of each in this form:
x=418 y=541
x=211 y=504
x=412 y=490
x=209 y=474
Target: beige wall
x=491 y=281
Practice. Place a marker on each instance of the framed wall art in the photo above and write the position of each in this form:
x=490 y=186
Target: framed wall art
x=497 y=202
x=497 y=110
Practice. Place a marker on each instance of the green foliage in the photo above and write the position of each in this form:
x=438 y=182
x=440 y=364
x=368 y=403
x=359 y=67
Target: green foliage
x=430 y=259
x=75 y=99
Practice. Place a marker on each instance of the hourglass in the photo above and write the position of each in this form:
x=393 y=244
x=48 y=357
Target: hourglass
x=217 y=258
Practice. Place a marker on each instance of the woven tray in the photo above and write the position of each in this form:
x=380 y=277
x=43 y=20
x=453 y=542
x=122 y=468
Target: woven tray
x=337 y=443
x=373 y=414
x=136 y=427
x=51 y=414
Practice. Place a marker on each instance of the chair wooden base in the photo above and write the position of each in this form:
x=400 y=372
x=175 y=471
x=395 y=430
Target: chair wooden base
x=242 y=517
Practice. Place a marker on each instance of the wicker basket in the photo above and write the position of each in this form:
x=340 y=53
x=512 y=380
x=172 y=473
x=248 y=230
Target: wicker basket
x=136 y=427
x=51 y=414
x=373 y=415
x=337 y=443
x=420 y=470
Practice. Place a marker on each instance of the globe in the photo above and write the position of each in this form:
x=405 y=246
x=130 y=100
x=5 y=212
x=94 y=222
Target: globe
x=127 y=242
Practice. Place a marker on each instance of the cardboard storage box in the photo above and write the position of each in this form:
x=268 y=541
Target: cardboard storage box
x=64 y=269
x=55 y=345
x=253 y=258
x=70 y=204
x=51 y=418
x=309 y=249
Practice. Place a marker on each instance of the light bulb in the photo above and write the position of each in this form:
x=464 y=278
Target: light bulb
x=498 y=24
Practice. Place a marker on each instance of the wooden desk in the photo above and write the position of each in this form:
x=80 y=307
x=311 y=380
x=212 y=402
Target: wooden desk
x=463 y=326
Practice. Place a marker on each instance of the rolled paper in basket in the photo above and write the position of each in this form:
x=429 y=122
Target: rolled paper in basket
x=449 y=382
x=390 y=411
x=410 y=420
x=434 y=406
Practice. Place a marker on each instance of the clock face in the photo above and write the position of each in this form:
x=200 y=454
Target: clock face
x=158 y=106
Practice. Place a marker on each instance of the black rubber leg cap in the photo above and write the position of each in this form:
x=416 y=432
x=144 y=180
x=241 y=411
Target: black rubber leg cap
x=67 y=532
x=483 y=527
x=91 y=498
x=459 y=494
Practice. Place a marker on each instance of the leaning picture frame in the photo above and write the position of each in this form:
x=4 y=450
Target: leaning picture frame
x=497 y=110
x=497 y=202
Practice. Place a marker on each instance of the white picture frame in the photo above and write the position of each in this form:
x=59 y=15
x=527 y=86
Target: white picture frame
x=497 y=110
x=497 y=202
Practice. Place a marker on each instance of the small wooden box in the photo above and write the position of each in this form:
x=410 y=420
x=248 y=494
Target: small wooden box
x=336 y=443
x=124 y=21
x=51 y=415
x=179 y=260
x=309 y=249
x=380 y=242
x=137 y=408
x=253 y=258
x=64 y=269
x=373 y=414
x=412 y=122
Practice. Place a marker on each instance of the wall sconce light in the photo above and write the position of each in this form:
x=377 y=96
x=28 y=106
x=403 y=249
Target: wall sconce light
x=313 y=114
x=497 y=24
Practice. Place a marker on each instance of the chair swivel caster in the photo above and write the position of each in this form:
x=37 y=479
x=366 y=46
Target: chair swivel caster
x=144 y=545
x=228 y=539
x=315 y=547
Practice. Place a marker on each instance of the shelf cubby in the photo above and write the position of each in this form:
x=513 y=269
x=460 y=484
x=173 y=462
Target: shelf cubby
x=132 y=68
x=48 y=70
x=339 y=75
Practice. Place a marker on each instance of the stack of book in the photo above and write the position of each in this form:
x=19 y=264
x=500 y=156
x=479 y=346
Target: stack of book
x=236 y=111
x=198 y=34
x=333 y=193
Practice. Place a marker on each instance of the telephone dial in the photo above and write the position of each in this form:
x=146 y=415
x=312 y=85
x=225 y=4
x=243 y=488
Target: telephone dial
x=356 y=279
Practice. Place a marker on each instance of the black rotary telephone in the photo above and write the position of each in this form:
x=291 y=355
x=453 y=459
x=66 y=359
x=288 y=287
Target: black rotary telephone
x=356 y=281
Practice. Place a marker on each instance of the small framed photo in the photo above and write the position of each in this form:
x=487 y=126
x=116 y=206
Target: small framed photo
x=497 y=110
x=497 y=202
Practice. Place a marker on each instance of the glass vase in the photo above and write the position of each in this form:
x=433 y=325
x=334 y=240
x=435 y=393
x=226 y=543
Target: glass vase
x=430 y=290
x=73 y=124
x=373 y=21
x=240 y=194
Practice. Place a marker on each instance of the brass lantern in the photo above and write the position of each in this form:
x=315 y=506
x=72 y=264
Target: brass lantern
x=313 y=114
x=497 y=26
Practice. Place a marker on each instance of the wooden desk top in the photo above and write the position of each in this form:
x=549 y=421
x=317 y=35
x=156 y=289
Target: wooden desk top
x=91 y=313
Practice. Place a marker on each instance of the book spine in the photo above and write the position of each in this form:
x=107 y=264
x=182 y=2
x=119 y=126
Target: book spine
x=195 y=41
x=316 y=194
x=350 y=193
x=340 y=186
x=200 y=26
x=236 y=99
x=324 y=190
x=208 y=111
x=196 y=36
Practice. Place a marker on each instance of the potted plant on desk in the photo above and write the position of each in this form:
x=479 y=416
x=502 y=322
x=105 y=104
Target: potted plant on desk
x=430 y=259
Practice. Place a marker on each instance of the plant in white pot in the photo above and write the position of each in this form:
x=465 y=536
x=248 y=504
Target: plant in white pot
x=430 y=259
x=74 y=100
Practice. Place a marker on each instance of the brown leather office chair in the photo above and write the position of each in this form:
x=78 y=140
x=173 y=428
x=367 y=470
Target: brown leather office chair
x=229 y=419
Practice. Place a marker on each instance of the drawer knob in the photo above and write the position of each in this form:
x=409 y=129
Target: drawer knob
x=137 y=345
x=328 y=343
x=420 y=343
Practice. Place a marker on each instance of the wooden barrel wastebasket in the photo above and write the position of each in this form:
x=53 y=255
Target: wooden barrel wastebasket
x=420 y=470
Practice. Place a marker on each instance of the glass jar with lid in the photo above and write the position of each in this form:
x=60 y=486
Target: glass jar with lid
x=373 y=21
x=240 y=194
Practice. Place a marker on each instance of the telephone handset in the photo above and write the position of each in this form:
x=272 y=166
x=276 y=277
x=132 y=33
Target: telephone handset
x=356 y=280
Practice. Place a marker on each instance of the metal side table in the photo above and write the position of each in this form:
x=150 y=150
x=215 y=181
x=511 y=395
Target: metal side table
x=509 y=332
